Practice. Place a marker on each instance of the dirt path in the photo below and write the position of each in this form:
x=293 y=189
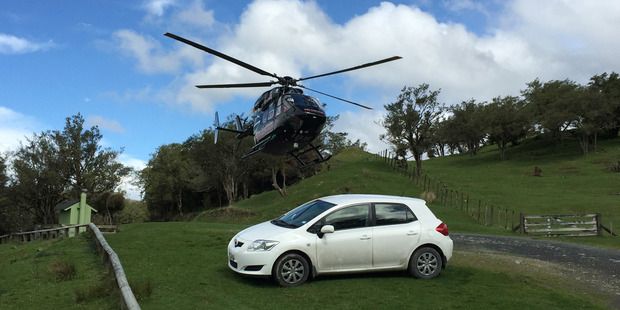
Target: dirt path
x=596 y=266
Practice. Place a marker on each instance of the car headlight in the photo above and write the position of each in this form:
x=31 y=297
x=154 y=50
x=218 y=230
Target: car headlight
x=262 y=245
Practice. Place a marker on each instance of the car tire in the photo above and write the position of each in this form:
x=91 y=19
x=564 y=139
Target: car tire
x=291 y=270
x=425 y=263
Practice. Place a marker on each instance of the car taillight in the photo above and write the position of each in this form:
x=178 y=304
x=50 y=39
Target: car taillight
x=442 y=229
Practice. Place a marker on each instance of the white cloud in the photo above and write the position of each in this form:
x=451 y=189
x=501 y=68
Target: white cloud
x=364 y=125
x=14 y=128
x=10 y=44
x=150 y=55
x=129 y=184
x=105 y=123
x=196 y=15
x=157 y=7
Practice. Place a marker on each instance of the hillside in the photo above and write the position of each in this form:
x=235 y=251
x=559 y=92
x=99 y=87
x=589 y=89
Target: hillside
x=571 y=183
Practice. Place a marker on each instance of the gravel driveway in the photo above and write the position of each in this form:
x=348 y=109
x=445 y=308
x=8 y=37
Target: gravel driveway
x=597 y=266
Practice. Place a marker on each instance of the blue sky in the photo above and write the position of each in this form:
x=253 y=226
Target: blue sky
x=110 y=61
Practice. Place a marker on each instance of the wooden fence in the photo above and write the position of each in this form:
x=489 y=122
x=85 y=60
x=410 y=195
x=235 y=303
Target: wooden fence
x=561 y=225
x=482 y=212
x=128 y=300
x=51 y=233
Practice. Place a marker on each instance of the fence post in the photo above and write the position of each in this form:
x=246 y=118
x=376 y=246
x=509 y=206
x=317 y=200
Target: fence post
x=522 y=222
x=479 y=206
x=597 y=218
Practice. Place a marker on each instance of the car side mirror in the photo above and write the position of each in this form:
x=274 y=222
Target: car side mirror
x=326 y=229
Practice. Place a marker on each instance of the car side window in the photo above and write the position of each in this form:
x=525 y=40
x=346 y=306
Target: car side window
x=347 y=218
x=390 y=214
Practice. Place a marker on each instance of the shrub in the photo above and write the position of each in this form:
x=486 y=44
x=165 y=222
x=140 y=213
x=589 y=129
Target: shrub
x=133 y=212
x=103 y=288
x=142 y=289
x=429 y=197
x=62 y=271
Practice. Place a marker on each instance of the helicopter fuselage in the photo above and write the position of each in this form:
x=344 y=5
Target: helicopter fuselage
x=286 y=120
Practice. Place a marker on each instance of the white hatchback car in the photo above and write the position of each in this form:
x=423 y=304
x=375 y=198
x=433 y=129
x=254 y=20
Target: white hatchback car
x=344 y=233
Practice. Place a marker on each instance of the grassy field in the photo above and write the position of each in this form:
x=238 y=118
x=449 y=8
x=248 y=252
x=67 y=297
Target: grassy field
x=185 y=263
x=570 y=183
x=58 y=274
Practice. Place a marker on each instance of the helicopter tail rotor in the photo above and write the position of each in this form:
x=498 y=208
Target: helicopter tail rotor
x=216 y=124
x=238 y=123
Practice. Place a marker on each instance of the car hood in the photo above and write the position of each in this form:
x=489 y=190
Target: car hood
x=264 y=230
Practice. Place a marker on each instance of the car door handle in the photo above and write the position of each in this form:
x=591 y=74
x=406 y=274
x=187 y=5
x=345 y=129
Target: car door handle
x=364 y=237
x=412 y=233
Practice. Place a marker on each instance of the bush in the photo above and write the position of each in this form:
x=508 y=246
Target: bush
x=62 y=271
x=103 y=288
x=429 y=197
x=133 y=212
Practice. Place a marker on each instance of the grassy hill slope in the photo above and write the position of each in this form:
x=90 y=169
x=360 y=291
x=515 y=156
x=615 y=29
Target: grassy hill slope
x=54 y=274
x=570 y=183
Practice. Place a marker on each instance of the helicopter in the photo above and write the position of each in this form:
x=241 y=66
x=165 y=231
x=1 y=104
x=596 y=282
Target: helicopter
x=284 y=120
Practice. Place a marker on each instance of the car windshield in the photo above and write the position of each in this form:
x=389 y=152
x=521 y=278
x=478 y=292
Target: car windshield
x=302 y=214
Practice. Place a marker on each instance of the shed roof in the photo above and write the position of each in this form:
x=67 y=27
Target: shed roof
x=65 y=204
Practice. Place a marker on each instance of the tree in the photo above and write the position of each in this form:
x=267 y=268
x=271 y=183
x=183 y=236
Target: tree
x=467 y=125
x=85 y=164
x=552 y=105
x=56 y=165
x=411 y=119
x=605 y=88
x=506 y=121
x=39 y=182
x=167 y=177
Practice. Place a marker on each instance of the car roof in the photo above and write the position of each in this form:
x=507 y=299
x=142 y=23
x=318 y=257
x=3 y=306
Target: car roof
x=360 y=198
x=417 y=205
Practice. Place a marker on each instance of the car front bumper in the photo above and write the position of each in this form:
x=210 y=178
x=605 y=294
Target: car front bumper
x=257 y=263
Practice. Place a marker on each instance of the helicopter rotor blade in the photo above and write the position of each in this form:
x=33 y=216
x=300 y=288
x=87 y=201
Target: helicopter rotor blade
x=216 y=124
x=220 y=54
x=378 y=62
x=260 y=84
x=341 y=99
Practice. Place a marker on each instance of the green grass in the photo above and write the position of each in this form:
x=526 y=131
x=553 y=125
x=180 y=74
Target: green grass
x=38 y=275
x=186 y=264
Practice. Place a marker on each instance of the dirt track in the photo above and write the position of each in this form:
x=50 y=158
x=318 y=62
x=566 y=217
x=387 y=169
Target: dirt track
x=596 y=266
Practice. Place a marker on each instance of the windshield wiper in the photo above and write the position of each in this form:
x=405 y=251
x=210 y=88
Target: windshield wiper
x=282 y=223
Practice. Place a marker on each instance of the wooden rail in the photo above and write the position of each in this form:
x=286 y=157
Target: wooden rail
x=128 y=300
x=561 y=225
x=50 y=233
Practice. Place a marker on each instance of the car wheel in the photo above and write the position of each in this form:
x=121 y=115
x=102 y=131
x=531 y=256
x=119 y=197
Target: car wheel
x=291 y=270
x=425 y=263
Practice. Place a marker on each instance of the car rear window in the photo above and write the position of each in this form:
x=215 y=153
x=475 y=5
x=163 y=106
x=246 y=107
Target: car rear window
x=390 y=214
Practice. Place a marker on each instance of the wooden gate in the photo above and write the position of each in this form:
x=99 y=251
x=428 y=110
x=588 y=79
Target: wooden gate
x=561 y=225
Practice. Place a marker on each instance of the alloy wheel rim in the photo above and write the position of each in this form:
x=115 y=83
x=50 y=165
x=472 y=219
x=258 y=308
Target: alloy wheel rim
x=292 y=271
x=427 y=264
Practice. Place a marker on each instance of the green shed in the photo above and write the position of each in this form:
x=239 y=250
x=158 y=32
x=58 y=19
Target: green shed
x=74 y=212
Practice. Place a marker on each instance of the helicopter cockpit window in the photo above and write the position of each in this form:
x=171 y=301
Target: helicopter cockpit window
x=279 y=108
x=271 y=111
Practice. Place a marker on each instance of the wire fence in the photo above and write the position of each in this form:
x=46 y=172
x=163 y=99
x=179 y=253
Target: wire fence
x=483 y=212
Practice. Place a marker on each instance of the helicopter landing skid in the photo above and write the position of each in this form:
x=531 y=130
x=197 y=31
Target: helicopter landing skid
x=319 y=159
